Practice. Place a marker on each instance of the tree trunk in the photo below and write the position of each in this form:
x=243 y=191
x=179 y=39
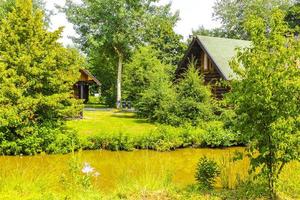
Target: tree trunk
x=119 y=80
x=271 y=175
x=272 y=189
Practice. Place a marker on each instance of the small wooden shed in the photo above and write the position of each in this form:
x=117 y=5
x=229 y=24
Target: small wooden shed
x=82 y=87
x=212 y=56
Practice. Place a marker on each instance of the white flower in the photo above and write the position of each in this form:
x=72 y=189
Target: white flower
x=87 y=169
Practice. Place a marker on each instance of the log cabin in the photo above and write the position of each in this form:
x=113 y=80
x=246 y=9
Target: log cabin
x=211 y=56
x=82 y=87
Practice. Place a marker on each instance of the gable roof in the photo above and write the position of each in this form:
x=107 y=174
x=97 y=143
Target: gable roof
x=89 y=74
x=220 y=51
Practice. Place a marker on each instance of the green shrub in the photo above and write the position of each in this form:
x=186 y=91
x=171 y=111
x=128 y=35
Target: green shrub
x=47 y=138
x=156 y=102
x=120 y=142
x=206 y=173
x=164 y=138
x=64 y=143
x=195 y=102
x=94 y=100
x=187 y=102
x=217 y=136
x=193 y=137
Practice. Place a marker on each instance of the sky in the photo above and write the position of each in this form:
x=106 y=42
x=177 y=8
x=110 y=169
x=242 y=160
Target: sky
x=193 y=13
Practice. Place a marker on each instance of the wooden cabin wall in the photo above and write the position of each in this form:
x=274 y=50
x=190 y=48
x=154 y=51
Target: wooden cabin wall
x=86 y=78
x=192 y=56
x=83 y=77
x=210 y=73
x=81 y=91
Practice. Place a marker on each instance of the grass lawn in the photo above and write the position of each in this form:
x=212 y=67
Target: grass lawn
x=110 y=122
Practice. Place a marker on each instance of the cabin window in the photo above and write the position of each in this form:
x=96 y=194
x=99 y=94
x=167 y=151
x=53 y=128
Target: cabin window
x=205 y=63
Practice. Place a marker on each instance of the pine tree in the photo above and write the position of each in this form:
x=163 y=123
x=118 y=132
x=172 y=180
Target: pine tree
x=196 y=102
x=36 y=78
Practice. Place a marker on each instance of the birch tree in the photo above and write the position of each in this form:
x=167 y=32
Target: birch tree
x=111 y=30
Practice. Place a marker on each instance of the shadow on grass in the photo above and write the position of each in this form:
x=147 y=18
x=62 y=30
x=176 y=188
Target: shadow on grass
x=99 y=106
x=133 y=117
x=123 y=116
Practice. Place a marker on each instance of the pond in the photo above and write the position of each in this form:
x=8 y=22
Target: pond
x=147 y=169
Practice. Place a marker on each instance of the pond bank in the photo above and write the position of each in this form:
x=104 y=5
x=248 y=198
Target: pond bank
x=136 y=167
x=141 y=174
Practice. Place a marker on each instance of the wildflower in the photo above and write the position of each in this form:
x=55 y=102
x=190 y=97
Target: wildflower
x=87 y=169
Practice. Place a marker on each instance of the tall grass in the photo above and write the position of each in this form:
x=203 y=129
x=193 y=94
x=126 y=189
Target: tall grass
x=131 y=175
x=289 y=181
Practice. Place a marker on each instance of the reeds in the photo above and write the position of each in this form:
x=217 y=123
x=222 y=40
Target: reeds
x=140 y=173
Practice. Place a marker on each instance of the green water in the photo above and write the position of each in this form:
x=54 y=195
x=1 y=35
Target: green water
x=137 y=168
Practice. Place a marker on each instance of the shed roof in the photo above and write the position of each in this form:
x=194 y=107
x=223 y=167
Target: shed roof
x=90 y=75
x=221 y=51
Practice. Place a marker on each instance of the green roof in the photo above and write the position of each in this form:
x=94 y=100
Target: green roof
x=221 y=51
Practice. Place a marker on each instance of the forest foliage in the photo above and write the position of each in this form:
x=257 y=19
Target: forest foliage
x=111 y=31
x=232 y=15
x=266 y=95
x=36 y=77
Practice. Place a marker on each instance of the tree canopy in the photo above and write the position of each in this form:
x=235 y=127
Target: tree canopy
x=7 y=6
x=267 y=94
x=233 y=13
x=159 y=33
x=111 y=30
x=293 y=16
x=36 y=77
x=216 y=32
x=141 y=70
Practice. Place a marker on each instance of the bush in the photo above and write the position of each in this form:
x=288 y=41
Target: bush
x=152 y=104
x=206 y=173
x=44 y=138
x=94 y=100
x=164 y=138
x=188 y=102
x=64 y=143
x=217 y=136
x=195 y=102
x=119 y=142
